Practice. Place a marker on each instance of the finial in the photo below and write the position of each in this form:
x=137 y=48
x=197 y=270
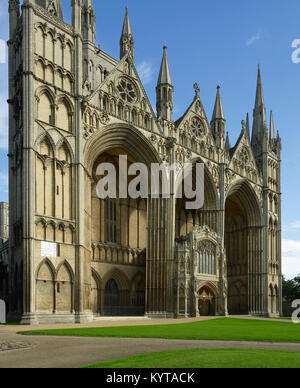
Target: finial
x=197 y=89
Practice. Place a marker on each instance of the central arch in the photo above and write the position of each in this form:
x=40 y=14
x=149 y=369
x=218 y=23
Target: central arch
x=118 y=226
x=243 y=239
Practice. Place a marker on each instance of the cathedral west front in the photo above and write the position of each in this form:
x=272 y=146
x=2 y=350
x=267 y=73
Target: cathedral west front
x=74 y=257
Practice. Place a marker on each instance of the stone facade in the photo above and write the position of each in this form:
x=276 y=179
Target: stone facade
x=73 y=256
x=4 y=226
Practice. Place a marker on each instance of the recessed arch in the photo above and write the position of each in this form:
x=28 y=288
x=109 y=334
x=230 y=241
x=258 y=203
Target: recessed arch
x=243 y=236
x=245 y=192
x=120 y=278
x=121 y=136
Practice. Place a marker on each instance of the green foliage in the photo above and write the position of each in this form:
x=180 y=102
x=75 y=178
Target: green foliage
x=291 y=289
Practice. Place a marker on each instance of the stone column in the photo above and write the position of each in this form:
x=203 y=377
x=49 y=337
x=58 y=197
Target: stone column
x=29 y=294
x=223 y=297
x=160 y=251
x=80 y=315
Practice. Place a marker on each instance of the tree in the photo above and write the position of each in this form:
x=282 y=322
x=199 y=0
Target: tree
x=291 y=289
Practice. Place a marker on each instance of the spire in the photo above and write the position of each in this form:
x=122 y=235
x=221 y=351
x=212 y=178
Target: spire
x=259 y=90
x=164 y=90
x=248 y=125
x=164 y=74
x=227 y=143
x=218 y=121
x=88 y=21
x=127 y=41
x=218 y=110
x=127 y=31
x=272 y=131
x=259 y=116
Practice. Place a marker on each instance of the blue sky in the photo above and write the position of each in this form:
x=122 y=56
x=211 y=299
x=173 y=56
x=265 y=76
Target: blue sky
x=210 y=42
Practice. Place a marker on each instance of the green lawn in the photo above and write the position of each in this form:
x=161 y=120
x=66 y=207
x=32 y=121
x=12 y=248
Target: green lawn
x=217 y=329
x=208 y=358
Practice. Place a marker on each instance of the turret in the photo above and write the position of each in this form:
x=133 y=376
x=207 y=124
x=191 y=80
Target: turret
x=76 y=15
x=14 y=13
x=164 y=90
x=126 y=41
x=218 y=121
x=227 y=143
x=248 y=125
x=88 y=20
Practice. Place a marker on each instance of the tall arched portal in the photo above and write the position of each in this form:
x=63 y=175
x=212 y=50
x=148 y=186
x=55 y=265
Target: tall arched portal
x=243 y=243
x=119 y=238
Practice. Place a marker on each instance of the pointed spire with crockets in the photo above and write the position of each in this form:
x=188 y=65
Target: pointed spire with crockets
x=218 y=121
x=259 y=117
x=164 y=74
x=227 y=143
x=248 y=125
x=164 y=90
x=127 y=41
x=272 y=131
x=218 y=110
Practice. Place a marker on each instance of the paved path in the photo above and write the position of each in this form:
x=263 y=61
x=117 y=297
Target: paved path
x=71 y=352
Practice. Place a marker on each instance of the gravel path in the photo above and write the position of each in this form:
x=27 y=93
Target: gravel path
x=72 y=352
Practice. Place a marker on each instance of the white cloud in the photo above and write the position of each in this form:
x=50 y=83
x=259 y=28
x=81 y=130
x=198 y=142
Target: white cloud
x=146 y=72
x=292 y=227
x=255 y=38
x=295 y=225
x=290 y=258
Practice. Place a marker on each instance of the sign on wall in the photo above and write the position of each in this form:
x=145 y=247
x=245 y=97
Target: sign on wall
x=48 y=249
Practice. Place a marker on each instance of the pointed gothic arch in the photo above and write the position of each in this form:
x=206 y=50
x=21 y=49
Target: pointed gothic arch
x=207 y=299
x=243 y=241
x=45 y=283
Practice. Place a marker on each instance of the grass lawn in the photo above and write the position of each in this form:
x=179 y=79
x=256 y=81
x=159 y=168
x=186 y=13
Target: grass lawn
x=217 y=329
x=208 y=358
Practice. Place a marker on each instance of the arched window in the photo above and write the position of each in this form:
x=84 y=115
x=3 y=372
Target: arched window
x=120 y=110
x=133 y=116
x=63 y=118
x=45 y=109
x=207 y=258
x=105 y=104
